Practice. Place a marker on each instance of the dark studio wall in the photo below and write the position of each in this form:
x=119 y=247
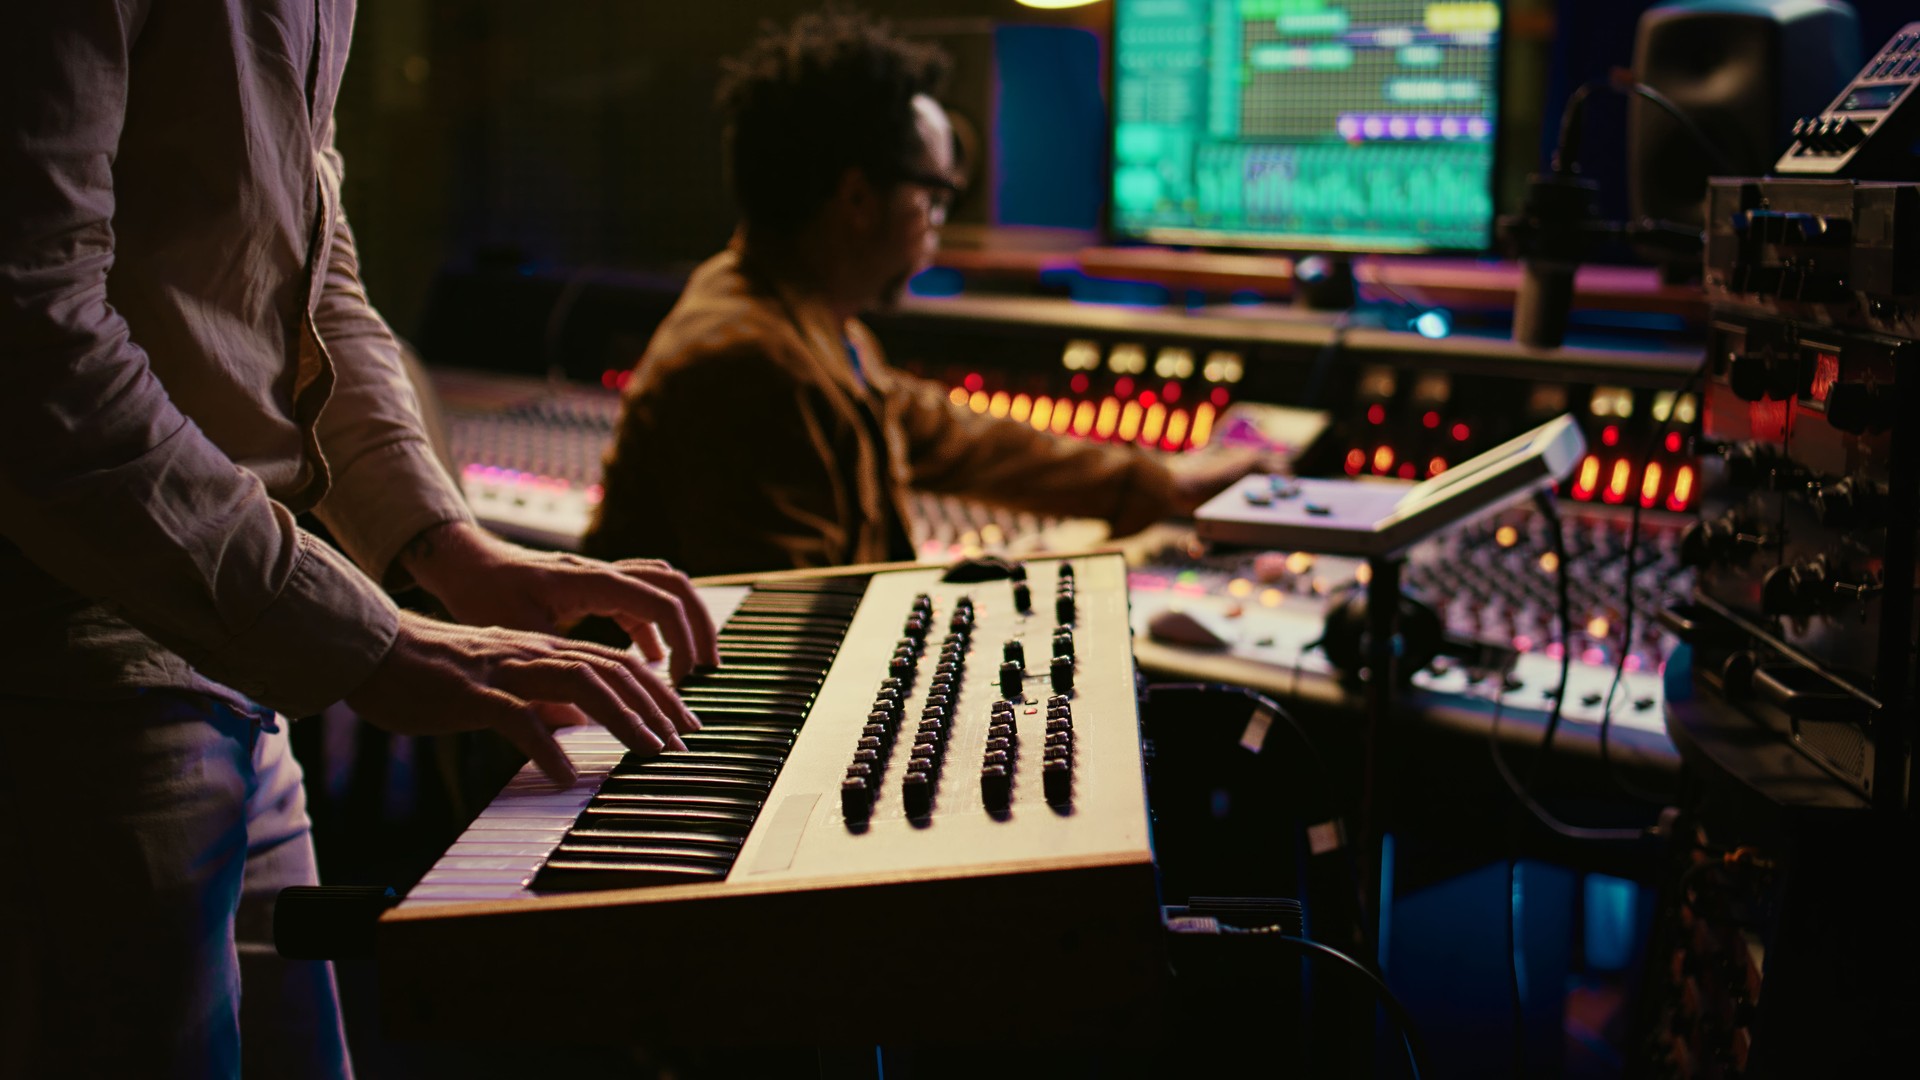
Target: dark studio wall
x=581 y=133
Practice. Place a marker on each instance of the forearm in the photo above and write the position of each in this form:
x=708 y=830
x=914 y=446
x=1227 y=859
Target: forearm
x=388 y=483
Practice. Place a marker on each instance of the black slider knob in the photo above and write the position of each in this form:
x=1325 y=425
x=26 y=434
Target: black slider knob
x=1062 y=642
x=1022 y=597
x=1062 y=674
x=1063 y=607
x=996 y=787
x=1015 y=652
x=1011 y=675
x=917 y=793
x=856 y=799
x=1056 y=779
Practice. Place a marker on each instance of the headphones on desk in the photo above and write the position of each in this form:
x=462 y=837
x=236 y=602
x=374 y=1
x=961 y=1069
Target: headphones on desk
x=1419 y=634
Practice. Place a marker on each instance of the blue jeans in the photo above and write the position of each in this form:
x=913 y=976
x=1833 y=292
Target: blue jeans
x=142 y=844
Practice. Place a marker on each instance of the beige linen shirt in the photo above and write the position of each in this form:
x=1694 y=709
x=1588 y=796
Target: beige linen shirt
x=188 y=359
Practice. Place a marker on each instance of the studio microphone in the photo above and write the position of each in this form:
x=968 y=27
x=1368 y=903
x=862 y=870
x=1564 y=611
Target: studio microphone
x=1559 y=227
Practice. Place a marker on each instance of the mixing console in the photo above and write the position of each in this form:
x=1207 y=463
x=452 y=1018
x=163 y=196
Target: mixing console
x=1491 y=586
x=529 y=453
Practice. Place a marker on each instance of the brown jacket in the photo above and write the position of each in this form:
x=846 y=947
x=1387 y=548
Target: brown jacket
x=748 y=443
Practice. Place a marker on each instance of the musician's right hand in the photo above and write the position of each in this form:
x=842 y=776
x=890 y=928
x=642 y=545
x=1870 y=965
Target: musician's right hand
x=440 y=677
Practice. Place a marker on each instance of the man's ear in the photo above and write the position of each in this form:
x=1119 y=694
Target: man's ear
x=856 y=199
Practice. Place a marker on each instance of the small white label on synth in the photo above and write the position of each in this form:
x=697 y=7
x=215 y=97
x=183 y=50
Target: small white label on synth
x=783 y=833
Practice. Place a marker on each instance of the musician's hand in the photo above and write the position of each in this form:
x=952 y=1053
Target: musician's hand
x=1199 y=477
x=439 y=677
x=486 y=581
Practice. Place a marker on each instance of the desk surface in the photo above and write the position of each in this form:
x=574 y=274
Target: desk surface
x=1458 y=282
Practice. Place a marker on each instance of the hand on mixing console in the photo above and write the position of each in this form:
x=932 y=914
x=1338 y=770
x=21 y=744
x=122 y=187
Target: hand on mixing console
x=1199 y=477
x=486 y=581
x=439 y=677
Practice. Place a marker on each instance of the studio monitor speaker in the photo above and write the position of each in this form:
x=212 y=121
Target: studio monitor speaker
x=1743 y=70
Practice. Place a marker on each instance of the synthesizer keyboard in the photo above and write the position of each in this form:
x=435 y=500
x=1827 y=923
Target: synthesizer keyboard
x=912 y=800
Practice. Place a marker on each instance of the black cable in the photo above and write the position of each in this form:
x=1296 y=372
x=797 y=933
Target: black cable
x=1319 y=762
x=1654 y=438
x=1566 y=151
x=1523 y=792
x=1417 y=1058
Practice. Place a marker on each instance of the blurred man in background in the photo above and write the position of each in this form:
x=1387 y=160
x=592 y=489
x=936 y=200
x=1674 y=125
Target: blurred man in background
x=763 y=428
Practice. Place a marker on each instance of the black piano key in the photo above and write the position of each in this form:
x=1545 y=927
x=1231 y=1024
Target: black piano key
x=643 y=832
x=718 y=761
x=705 y=784
x=643 y=852
x=717 y=801
x=721 y=738
x=618 y=817
x=564 y=875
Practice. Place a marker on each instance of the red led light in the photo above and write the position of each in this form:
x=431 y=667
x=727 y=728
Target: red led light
x=1171 y=392
x=1673 y=442
x=975 y=383
x=1148 y=398
x=1356 y=460
x=607 y=378
x=1431 y=420
x=621 y=379
x=1460 y=433
x=1079 y=383
x=1406 y=470
x=1123 y=386
x=1610 y=435
x=1220 y=397
x=1376 y=414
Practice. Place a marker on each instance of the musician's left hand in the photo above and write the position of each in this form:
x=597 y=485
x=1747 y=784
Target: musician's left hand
x=486 y=581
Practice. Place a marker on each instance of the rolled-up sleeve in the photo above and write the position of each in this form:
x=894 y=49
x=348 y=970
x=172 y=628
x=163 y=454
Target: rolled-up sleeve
x=388 y=485
x=105 y=484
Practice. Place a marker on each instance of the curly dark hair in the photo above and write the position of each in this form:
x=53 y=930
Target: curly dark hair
x=803 y=104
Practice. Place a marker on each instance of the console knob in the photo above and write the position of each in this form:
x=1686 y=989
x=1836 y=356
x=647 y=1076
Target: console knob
x=1795 y=591
x=1062 y=674
x=1852 y=503
x=1704 y=542
x=1011 y=675
x=1022 y=597
x=1014 y=651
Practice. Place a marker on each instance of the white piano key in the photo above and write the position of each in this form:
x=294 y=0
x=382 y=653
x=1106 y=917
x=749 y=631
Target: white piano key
x=473 y=847
x=517 y=873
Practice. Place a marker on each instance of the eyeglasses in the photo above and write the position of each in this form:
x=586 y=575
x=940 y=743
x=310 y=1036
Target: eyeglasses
x=942 y=191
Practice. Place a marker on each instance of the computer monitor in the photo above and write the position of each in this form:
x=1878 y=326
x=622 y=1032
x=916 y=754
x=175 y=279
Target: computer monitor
x=1306 y=125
